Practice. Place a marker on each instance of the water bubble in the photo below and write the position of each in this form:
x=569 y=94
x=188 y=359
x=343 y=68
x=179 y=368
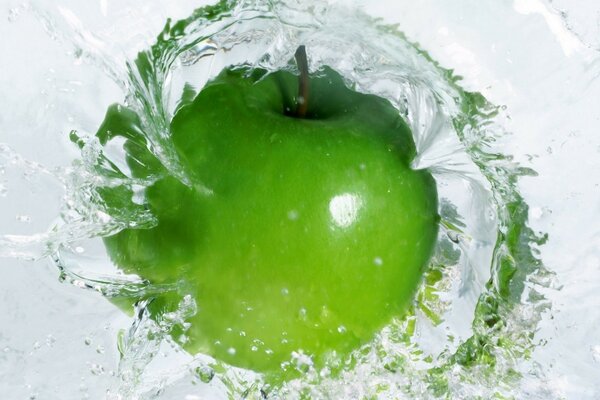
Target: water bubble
x=301 y=362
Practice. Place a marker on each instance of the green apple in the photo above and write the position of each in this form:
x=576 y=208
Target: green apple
x=301 y=226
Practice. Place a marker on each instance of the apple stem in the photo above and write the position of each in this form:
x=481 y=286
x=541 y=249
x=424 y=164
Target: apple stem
x=302 y=100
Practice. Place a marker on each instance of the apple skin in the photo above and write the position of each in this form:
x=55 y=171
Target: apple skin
x=296 y=234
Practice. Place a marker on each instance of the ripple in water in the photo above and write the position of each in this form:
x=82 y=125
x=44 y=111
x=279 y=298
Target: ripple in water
x=477 y=308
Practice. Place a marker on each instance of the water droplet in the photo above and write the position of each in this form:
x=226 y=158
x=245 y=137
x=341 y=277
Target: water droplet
x=100 y=349
x=23 y=218
x=97 y=369
x=453 y=236
x=103 y=217
x=378 y=261
x=87 y=341
x=231 y=351
x=205 y=373
x=302 y=314
x=13 y=13
x=183 y=339
x=293 y=215
x=285 y=291
x=596 y=353
x=341 y=329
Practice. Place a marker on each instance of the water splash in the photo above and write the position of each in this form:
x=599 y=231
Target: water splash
x=478 y=305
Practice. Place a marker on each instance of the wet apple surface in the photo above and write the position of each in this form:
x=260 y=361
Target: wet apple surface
x=291 y=234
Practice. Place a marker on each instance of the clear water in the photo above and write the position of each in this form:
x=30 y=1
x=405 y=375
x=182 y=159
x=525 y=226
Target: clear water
x=502 y=99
